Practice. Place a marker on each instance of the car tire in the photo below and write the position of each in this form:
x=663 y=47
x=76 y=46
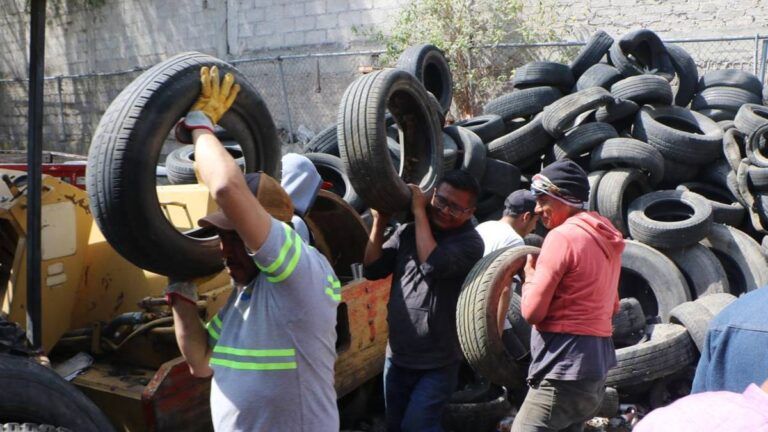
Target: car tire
x=363 y=143
x=667 y=350
x=695 y=318
x=619 y=187
x=679 y=134
x=180 y=163
x=740 y=256
x=331 y=170
x=429 y=65
x=479 y=335
x=701 y=269
x=36 y=395
x=120 y=176
x=658 y=273
x=669 y=218
x=628 y=153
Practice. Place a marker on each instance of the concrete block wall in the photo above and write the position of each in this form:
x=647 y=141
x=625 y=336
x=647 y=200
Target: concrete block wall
x=669 y=18
x=124 y=34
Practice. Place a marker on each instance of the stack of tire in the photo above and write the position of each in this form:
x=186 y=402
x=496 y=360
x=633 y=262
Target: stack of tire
x=744 y=148
x=674 y=181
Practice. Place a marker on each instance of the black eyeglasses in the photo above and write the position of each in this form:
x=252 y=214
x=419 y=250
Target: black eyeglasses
x=443 y=204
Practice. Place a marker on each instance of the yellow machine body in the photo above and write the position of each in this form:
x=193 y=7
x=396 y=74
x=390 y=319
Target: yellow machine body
x=85 y=283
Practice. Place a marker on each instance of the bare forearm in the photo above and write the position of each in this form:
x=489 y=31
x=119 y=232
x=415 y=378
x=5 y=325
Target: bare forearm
x=375 y=242
x=215 y=165
x=228 y=188
x=425 y=241
x=192 y=338
x=503 y=308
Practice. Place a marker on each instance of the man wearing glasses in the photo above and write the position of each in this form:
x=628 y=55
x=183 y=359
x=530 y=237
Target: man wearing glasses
x=570 y=294
x=429 y=259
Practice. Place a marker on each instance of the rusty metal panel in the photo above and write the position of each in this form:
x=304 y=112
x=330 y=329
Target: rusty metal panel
x=367 y=315
x=174 y=400
x=116 y=390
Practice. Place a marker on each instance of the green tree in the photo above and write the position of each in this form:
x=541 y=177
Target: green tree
x=466 y=31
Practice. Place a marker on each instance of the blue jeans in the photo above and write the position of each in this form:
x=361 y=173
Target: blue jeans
x=415 y=398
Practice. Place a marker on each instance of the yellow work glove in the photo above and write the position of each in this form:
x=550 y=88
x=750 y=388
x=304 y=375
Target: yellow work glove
x=216 y=97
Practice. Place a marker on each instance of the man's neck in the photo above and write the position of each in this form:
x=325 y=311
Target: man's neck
x=512 y=222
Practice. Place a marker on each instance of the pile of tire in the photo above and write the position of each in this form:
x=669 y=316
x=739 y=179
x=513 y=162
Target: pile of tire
x=676 y=168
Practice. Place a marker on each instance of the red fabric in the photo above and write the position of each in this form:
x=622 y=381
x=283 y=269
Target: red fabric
x=170 y=297
x=574 y=289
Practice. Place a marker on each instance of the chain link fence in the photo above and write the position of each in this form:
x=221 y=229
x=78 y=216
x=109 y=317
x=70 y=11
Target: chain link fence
x=303 y=91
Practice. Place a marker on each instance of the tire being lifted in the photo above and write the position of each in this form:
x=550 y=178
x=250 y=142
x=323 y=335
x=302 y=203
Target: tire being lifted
x=35 y=394
x=476 y=317
x=363 y=138
x=125 y=149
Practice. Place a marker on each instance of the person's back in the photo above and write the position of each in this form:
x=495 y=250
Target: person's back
x=587 y=259
x=733 y=355
x=518 y=220
x=569 y=295
x=496 y=235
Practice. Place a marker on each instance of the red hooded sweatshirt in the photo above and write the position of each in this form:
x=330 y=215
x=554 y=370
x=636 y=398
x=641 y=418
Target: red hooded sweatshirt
x=575 y=287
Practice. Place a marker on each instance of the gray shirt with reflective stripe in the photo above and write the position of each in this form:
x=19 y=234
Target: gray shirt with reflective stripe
x=274 y=343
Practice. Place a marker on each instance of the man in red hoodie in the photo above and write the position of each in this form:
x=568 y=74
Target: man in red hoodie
x=570 y=295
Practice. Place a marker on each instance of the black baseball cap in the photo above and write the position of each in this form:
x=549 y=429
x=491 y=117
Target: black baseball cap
x=519 y=202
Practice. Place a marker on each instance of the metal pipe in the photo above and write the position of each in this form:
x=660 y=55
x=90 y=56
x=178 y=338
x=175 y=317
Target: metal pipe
x=82 y=75
x=579 y=43
x=757 y=45
x=285 y=99
x=299 y=56
x=763 y=60
x=61 y=110
x=34 y=170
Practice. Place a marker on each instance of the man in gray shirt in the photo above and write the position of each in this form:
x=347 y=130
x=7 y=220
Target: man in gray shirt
x=271 y=349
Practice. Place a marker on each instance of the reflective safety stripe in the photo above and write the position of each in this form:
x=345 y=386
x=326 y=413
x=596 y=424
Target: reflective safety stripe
x=213 y=325
x=289 y=352
x=334 y=291
x=283 y=252
x=274 y=354
x=232 y=364
x=333 y=295
x=211 y=331
x=292 y=263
